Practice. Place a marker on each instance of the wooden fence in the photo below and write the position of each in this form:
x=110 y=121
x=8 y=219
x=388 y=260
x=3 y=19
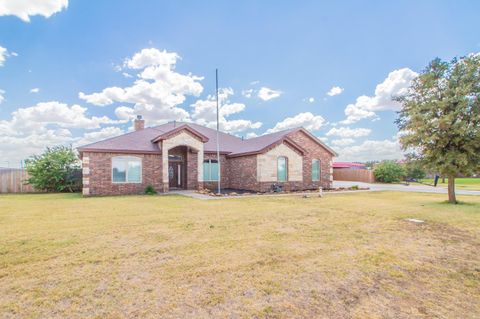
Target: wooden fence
x=12 y=180
x=356 y=175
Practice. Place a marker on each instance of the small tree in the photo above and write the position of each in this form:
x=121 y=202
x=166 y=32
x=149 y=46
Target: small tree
x=414 y=170
x=54 y=170
x=389 y=172
x=440 y=118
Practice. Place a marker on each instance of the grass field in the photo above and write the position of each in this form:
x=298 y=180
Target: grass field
x=341 y=256
x=460 y=183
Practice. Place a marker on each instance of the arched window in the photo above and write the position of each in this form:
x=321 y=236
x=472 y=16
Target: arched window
x=282 y=169
x=315 y=170
x=126 y=169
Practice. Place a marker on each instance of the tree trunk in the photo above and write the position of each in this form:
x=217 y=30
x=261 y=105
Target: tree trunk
x=451 y=190
x=443 y=179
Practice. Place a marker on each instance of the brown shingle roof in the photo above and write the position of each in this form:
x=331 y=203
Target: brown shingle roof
x=141 y=141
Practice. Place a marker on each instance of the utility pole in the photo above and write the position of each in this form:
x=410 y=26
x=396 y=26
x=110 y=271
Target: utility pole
x=218 y=129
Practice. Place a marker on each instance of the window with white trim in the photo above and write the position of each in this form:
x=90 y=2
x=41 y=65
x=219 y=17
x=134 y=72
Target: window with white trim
x=126 y=169
x=315 y=170
x=282 y=169
x=210 y=170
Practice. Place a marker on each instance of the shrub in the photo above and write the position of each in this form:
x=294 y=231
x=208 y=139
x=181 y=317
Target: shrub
x=389 y=172
x=149 y=190
x=414 y=170
x=56 y=170
x=355 y=187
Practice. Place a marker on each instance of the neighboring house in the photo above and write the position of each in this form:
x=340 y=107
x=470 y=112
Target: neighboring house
x=183 y=156
x=348 y=165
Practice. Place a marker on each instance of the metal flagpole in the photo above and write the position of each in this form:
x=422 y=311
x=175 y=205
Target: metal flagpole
x=218 y=128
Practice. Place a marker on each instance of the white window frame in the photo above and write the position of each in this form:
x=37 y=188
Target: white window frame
x=319 y=170
x=127 y=159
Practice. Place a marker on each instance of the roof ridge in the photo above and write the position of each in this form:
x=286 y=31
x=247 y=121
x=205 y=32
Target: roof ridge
x=282 y=131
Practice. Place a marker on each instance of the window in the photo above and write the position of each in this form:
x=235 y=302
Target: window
x=126 y=169
x=315 y=170
x=210 y=170
x=175 y=157
x=282 y=174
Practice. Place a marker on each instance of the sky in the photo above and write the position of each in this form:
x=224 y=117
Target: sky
x=75 y=72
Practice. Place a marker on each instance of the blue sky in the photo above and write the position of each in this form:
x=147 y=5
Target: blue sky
x=277 y=61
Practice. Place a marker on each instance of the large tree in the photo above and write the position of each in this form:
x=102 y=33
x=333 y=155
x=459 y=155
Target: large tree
x=440 y=118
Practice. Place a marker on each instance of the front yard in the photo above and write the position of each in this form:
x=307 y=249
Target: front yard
x=341 y=256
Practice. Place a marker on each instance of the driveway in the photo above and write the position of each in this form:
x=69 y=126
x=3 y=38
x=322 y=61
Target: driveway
x=403 y=188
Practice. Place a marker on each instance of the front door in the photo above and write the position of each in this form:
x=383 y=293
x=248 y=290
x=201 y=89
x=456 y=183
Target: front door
x=175 y=175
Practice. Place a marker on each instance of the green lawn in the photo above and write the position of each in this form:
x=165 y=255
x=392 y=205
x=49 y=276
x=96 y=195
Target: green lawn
x=341 y=256
x=460 y=183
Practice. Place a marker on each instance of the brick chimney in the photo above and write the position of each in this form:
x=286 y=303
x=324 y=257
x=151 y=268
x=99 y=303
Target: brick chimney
x=139 y=123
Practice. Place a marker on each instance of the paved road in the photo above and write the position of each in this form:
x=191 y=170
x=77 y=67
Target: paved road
x=403 y=188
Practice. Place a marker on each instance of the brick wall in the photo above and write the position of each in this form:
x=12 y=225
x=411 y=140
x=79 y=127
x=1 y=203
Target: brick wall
x=192 y=170
x=97 y=173
x=225 y=176
x=243 y=172
x=314 y=151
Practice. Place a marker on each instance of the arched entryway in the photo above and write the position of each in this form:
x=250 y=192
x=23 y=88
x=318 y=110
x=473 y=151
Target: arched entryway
x=182 y=161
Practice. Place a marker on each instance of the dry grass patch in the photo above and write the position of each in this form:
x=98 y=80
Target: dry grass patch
x=341 y=256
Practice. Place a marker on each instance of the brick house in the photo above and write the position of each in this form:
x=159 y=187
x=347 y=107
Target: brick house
x=183 y=156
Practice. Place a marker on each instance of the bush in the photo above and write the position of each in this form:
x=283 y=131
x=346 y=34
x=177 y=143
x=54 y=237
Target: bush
x=56 y=170
x=149 y=190
x=414 y=170
x=389 y=172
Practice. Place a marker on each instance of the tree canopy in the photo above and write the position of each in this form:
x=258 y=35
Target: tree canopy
x=440 y=118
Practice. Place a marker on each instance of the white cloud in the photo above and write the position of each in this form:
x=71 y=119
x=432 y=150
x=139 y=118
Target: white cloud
x=343 y=142
x=247 y=93
x=26 y=8
x=125 y=113
x=34 y=90
x=3 y=55
x=307 y=120
x=152 y=57
x=355 y=114
x=31 y=129
x=36 y=118
x=17 y=148
x=371 y=150
x=251 y=135
x=158 y=92
x=127 y=75
x=267 y=94
x=396 y=83
x=104 y=133
x=204 y=113
x=309 y=99
x=335 y=90
x=349 y=132
x=2 y=97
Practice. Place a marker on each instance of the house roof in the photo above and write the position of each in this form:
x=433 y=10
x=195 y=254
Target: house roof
x=144 y=141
